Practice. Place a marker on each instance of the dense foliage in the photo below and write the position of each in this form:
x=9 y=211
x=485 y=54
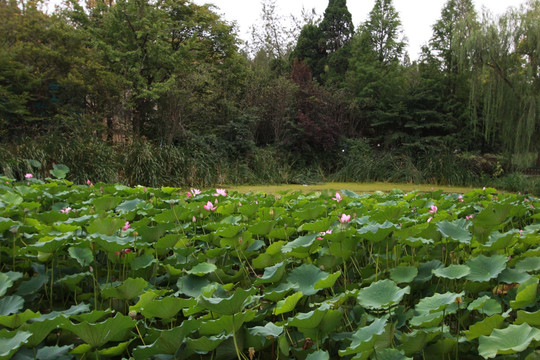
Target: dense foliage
x=109 y=271
x=138 y=83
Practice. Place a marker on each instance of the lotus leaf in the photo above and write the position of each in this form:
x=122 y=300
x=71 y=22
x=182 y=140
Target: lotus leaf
x=526 y=294
x=381 y=294
x=84 y=256
x=10 y=344
x=129 y=289
x=226 y=323
x=287 y=304
x=192 y=285
x=513 y=276
x=485 y=305
x=5 y=283
x=529 y=264
x=484 y=268
x=531 y=318
x=364 y=338
x=272 y=274
x=456 y=230
x=226 y=306
x=390 y=354
x=142 y=262
x=52 y=352
x=304 y=277
x=318 y=355
x=168 y=341
x=205 y=344
x=16 y=320
x=302 y=245
x=404 y=274
x=164 y=308
x=98 y=334
x=268 y=330
x=11 y=305
x=484 y=327
x=452 y=271
x=201 y=269
x=513 y=339
x=437 y=302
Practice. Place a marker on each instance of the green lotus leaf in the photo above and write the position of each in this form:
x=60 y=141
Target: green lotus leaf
x=501 y=241
x=72 y=281
x=484 y=268
x=531 y=318
x=116 y=350
x=309 y=320
x=304 y=277
x=13 y=275
x=404 y=274
x=281 y=233
x=52 y=352
x=229 y=305
x=272 y=274
x=287 y=304
x=365 y=337
x=484 y=327
x=228 y=231
x=512 y=340
x=129 y=289
x=202 y=269
x=310 y=211
x=33 y=285
x=98 y=334
x=16 y=320
x=513 y=276
x=526 y=294
x=5 y=283
x=11 y=198
x=262 y=227
x=416 y=340
x=317 y=226
x=268 y=330
x=328 y=281
x=41 y=328
x=170 y=216
x=151 y=234
x=164 y=308
x=425 y=271
x=84 y=256
x=105 y=226
x=128 y=206
x=343 y=243
x=6 y=223
x=442 y=349
x=437 y=302
x=11 y=305
x=381 y=294
x=112 y=244
x=91 y=317
x=10 y=345
x=376 y=232
x=205 y=344
x=318 y=355
x=226 y=323
x=456 y=230
x=73 y=310
x=452 y=271
x=390 y=354
x=416 y=242
x=50 y=244
x=142 y=262
x=427 y=320
x=529 y=264
x=106 y=202
x=191 y=285
x=301 y=245
x=485 y=305
x=168 y=341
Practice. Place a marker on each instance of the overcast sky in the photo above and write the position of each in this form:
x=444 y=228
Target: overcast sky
x=417 y=16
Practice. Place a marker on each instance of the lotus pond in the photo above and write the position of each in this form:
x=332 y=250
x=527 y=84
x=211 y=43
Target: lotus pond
x=108 y=271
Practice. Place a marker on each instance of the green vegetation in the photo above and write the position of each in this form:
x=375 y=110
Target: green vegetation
x=102 y=271
x=163 y=94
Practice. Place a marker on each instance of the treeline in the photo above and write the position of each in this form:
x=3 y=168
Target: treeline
x=164 y=93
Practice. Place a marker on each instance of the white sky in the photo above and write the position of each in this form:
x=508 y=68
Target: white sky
x=417 y=16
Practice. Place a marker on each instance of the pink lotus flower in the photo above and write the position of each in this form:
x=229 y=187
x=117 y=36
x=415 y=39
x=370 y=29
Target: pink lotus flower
x=28 y=176
x=209 y=206
x=460 y=198
x=195 y=192
x=469 y=217
x=126 y=226
x=189 y=194
x=220 y=192
x=430 y=218
x=338 y=197
x=89 y=183
x=65 y=210
x=433 y=209
x=194 y=219
x=345 y=218
x=326 y=232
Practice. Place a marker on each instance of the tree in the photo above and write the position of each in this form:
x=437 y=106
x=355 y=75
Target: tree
x=336 y=27
x=374 y=76
x=506 y=83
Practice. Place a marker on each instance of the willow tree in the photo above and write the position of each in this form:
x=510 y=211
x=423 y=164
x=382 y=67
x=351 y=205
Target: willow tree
x=506 y=87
